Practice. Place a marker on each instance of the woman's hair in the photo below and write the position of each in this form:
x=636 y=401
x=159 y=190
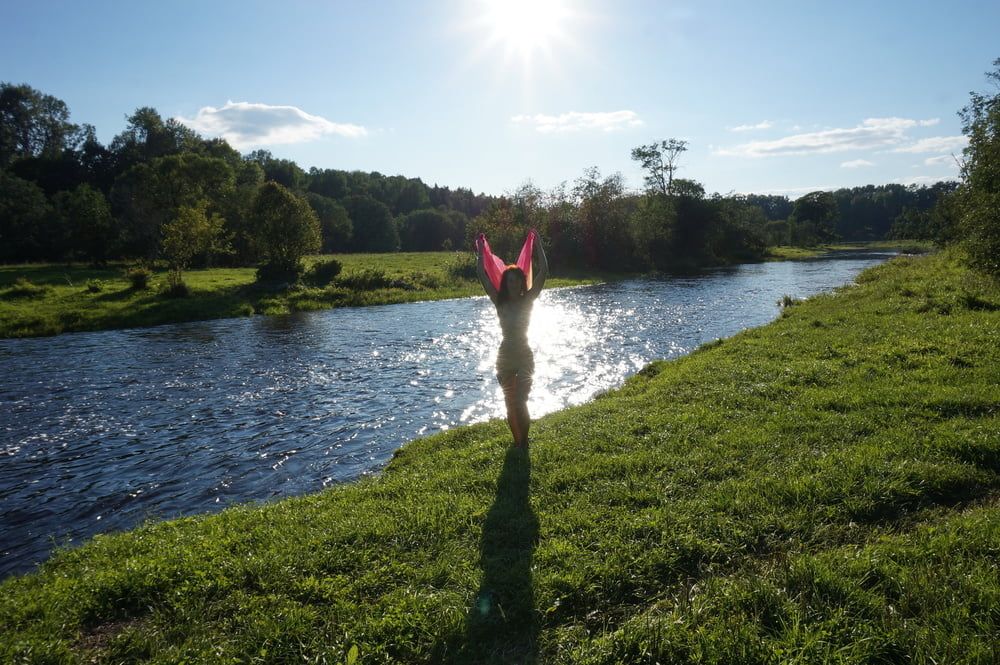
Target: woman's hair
x=503 y=294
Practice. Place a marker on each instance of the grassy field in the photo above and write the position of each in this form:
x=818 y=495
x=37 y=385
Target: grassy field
x=59 y=298
x=788 y=253
x=822 y=489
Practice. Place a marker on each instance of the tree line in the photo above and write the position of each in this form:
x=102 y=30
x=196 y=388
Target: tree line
x=159 y=191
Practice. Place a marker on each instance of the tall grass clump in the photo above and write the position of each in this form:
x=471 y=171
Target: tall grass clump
x=25 y=288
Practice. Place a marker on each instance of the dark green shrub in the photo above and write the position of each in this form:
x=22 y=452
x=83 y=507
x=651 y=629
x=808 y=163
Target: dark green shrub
x=462 y=266
x=367 y=280
x=95 y=286
x=138 y=277
x=323 y=272
x=274 y=273
x=176 y=289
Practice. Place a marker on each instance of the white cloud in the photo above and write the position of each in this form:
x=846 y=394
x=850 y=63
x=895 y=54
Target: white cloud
x=575 y=121
x=942 y=160
x=764 y=124
x=795 y=192
x=930 y=122
x=924 y=180
x=856 y=163
x=936 y=144
x=870 y=134
x=245 y=124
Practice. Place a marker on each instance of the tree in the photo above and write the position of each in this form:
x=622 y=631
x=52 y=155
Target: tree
x=425 y=231
x=328 y=182
x=191 y=232
x=32 y=124
x=334 y=224
x=604 y=219
x=85 y=214
x=659 y=160
x=24 y=214
x=980 y=192
x=148 y=136
x=285 y=230
x=150 y=194
x=374 y=228
x=813 y=219
x=285 y=172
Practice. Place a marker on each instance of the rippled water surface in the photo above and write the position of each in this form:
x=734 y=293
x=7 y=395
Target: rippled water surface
x=99 y=431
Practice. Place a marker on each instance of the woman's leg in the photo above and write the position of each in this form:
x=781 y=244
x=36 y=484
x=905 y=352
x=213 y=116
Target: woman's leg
x=515 y=394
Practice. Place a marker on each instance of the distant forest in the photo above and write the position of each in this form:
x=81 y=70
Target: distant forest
x=66 y=197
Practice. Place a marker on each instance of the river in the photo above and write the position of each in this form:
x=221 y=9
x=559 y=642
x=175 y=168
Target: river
x=100 y=431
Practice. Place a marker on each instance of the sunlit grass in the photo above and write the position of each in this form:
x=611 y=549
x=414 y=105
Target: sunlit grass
x=789 y=253
x=822 y=489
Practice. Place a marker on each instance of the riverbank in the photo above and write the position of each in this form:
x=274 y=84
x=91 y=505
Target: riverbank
x=789 y=253
x=51 y=299
x=57 y=298
x=822 y=488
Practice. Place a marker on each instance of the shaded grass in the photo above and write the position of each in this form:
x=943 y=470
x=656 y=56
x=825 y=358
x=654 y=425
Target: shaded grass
x=822 y=489
x=56 y=298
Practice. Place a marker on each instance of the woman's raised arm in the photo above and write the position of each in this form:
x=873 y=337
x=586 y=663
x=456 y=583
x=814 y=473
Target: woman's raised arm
x=481 y=270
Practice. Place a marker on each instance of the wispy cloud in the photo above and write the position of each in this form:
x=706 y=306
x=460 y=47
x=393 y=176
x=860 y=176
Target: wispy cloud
x=942 y=160
x=246 y=124
x=856 y=164
x=574 y=121
x=872 y=133
x=795 y=192
x=936 y=144
x=924 y=180
x=763 y=124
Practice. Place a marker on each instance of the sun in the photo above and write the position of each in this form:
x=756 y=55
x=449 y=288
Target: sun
x=525 y=29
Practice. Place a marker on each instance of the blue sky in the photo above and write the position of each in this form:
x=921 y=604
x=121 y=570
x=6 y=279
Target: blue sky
x=781 y=97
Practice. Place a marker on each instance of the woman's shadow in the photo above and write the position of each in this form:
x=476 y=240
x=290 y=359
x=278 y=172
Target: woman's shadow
x=502 y=625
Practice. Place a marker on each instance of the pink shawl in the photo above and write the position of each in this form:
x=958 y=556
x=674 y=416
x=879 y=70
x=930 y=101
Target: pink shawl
x=495 y=265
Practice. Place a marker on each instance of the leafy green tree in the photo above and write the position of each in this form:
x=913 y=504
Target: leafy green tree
x=335 y=226
x=813 y=219
x=980 y=192
x=652 y=228
x=285 y=172
x=285 y=230
x=603 y=216
x=149 y=194
x=374 y=228
x=328 y=182
x=24 y=216
x=32 y=124
x=412 y=196
x=660 y=162
x=85 y=214
x=426 y=231
x=148 y=136
x=191 y=232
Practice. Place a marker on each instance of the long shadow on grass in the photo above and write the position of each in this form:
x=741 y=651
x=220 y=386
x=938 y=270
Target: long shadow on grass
x=502 y=625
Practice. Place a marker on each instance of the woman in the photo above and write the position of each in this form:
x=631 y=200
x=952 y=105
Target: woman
x=513 y=289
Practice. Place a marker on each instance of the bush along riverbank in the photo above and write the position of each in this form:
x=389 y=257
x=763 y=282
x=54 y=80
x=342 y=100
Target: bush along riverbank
x=822 y=489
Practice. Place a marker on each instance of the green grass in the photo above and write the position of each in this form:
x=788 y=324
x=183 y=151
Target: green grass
x=788 y=253
x=50 y=299
x=822 y=489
